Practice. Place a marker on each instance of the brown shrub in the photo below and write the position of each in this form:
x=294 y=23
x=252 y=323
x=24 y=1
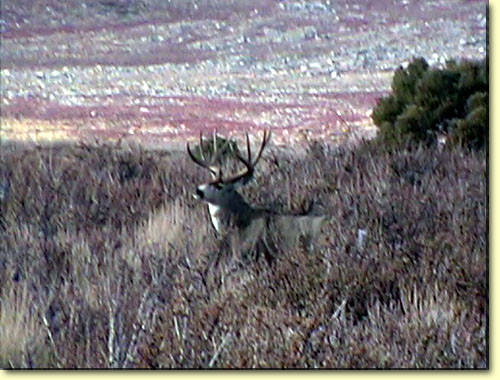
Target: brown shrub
x=107 y=261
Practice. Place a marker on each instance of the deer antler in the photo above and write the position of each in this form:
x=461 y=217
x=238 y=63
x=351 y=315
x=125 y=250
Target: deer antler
x=216 y=171
x=203 y=162
x=246 y=175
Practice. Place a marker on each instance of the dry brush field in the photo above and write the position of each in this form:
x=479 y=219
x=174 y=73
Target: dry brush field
x=106 y=261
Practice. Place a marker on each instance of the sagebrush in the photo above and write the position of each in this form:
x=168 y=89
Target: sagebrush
x=106 y=261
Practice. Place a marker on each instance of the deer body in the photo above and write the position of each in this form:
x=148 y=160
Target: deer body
x=252 y=224
x=251 y=230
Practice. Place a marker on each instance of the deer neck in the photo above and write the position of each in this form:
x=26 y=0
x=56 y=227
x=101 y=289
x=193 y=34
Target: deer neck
x=214 y=212
x=237 y=214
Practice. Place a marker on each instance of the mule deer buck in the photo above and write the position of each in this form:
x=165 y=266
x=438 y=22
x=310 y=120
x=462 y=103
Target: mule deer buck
x=250 y=230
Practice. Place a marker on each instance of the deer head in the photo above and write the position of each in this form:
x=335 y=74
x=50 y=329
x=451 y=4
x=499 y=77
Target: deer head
x=218 y=191
x=224 y=202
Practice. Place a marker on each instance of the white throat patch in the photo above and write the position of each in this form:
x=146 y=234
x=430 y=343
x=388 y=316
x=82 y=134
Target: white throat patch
x=213 y=211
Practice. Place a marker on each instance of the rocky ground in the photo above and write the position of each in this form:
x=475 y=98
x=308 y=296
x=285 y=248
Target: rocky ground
x=161 y=71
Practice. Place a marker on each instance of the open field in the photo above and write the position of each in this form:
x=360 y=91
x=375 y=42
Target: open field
x=160 y=71
x=106 y=260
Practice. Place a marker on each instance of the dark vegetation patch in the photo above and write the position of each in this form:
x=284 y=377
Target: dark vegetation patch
x=427 y=103
x=104 y=262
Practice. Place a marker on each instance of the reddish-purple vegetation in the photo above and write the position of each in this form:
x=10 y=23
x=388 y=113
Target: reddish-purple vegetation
x=323 y=58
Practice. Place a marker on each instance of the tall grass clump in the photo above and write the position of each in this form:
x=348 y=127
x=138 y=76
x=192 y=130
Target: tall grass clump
x=107 y=261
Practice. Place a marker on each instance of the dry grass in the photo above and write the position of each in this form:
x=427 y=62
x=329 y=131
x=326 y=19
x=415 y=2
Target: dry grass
x=107 y=261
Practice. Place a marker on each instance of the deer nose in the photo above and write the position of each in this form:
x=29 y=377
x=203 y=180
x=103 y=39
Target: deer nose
x=198 y=194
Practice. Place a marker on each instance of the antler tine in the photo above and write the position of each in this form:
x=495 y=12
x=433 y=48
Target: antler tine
x=250 y=166
x=194 y=158
x=249 y=151
x=216 y=172
x=202 y=155
x=265 y=140
x=246 y=161
x=220 y=151
x=214 y=146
